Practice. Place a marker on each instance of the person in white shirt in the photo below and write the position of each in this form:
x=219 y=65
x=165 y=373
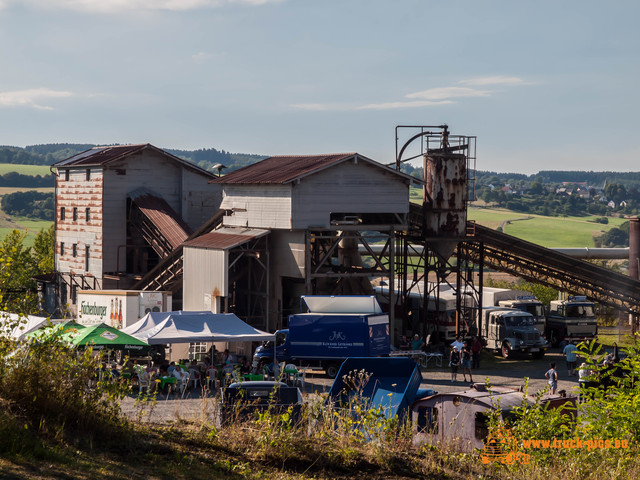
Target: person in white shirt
x=458 y=343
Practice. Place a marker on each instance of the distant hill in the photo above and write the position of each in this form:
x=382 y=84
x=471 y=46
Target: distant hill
x=206 y=158
x=591 y=178
x=48 y=154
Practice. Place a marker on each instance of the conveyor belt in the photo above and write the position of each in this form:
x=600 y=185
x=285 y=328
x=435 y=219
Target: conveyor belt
x=538 y=264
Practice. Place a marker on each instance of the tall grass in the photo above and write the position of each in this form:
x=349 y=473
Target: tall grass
x=49 y=393
x=54 y=391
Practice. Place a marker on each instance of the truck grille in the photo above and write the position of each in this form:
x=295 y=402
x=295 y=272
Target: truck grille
x=528 y=337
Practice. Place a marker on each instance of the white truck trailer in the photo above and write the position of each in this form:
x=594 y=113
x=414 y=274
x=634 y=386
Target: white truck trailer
x=119 y=308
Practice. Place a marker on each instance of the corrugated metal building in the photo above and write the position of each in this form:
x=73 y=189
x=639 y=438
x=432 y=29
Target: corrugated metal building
x=119 y=209
x=295 y=198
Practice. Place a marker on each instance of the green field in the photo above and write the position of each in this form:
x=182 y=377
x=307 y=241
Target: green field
x=32 y=227
x=42 y=170
x=553 y=232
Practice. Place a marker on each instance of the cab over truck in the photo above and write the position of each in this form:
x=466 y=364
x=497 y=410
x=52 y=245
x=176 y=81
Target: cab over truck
x=571 y=319
x=508 y=330
x=530 y=304
x=332 y=329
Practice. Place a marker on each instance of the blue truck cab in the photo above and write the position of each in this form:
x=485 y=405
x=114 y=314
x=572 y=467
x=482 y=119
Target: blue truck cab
x=331 y=329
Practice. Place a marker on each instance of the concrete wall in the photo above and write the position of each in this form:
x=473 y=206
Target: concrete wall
x=79 y=193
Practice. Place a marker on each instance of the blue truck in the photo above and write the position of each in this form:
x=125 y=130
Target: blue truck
x=331 y=329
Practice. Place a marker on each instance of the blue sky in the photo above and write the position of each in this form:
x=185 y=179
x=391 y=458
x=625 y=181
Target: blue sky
x=544 y=85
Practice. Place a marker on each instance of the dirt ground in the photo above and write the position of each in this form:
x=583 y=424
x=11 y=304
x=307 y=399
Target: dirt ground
x=195 y=405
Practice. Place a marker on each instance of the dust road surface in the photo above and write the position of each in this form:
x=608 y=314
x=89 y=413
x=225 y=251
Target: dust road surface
x=197 y=406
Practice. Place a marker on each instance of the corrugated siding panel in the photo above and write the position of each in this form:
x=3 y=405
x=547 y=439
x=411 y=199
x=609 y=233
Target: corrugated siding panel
x=200 y=199
x=287 y=248
x=258 y=206
x=347 y=188
x=205 y=273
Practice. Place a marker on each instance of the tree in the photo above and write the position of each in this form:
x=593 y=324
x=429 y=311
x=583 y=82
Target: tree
x=17 y=290
x=43 y=251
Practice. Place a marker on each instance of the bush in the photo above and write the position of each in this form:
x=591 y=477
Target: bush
x=52 y=390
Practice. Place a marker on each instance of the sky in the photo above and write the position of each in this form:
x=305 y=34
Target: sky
x=545 y=85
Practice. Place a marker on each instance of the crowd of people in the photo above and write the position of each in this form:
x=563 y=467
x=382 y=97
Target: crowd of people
x=219 y=366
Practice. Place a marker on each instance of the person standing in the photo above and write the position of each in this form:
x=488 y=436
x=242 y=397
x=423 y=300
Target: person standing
x=552 y=377
x=417 y=343
x=457 y=343
x=571 y=357
x=476 y=348
x=465 y=361
x=454 y=361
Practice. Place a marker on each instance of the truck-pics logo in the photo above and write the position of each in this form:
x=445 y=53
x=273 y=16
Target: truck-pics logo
x=337 y=336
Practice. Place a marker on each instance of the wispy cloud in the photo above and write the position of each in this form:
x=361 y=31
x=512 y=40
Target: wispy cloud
x=115 y=6
x=443 y=93
x=496 y=80
x=31 y=98
x=427 y=98
x=204 y=57
x=396 y=105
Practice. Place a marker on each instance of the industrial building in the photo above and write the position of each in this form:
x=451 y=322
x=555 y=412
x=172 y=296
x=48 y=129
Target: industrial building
x=119 y=211
x=251 y=242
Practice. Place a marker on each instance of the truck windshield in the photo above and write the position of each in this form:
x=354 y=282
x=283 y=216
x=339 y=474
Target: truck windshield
x=281 y=338
x=580 y=311
x=519 y=321
x=535 y=310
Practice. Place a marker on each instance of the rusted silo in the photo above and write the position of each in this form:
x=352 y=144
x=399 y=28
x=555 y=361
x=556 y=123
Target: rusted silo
x=634 y=247
x=445 y=201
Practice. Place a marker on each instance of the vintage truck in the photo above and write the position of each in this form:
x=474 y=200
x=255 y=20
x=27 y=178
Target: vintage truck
x=573 y=319
x=509 y=330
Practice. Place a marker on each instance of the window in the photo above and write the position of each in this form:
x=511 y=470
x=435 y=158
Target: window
x=74 y=293
x=482 y=425
x=61 y=213
x=66 y=175
x=61 y=248
x=428 y=420
x=75 y=214
x=198 y=350
x=88 y=174
x=88 y=214
x=75 y=250
x=86 y=258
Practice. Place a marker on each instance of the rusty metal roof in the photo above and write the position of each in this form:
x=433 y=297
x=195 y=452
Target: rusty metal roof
x=288 y=168
x=97 y=156
x=163 y=217
x=226 y=238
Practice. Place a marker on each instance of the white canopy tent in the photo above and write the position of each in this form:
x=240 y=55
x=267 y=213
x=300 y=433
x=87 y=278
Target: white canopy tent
x=158 y=328
x=17 y=326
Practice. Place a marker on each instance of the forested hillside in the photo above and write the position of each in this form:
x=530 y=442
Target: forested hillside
x=48 y=154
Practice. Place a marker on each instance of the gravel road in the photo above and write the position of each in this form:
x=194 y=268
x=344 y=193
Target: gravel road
x=196 y=406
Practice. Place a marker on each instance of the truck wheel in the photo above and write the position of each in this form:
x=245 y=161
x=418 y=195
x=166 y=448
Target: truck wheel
x=332 y=369
x=506 y=350
x=553 y=338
